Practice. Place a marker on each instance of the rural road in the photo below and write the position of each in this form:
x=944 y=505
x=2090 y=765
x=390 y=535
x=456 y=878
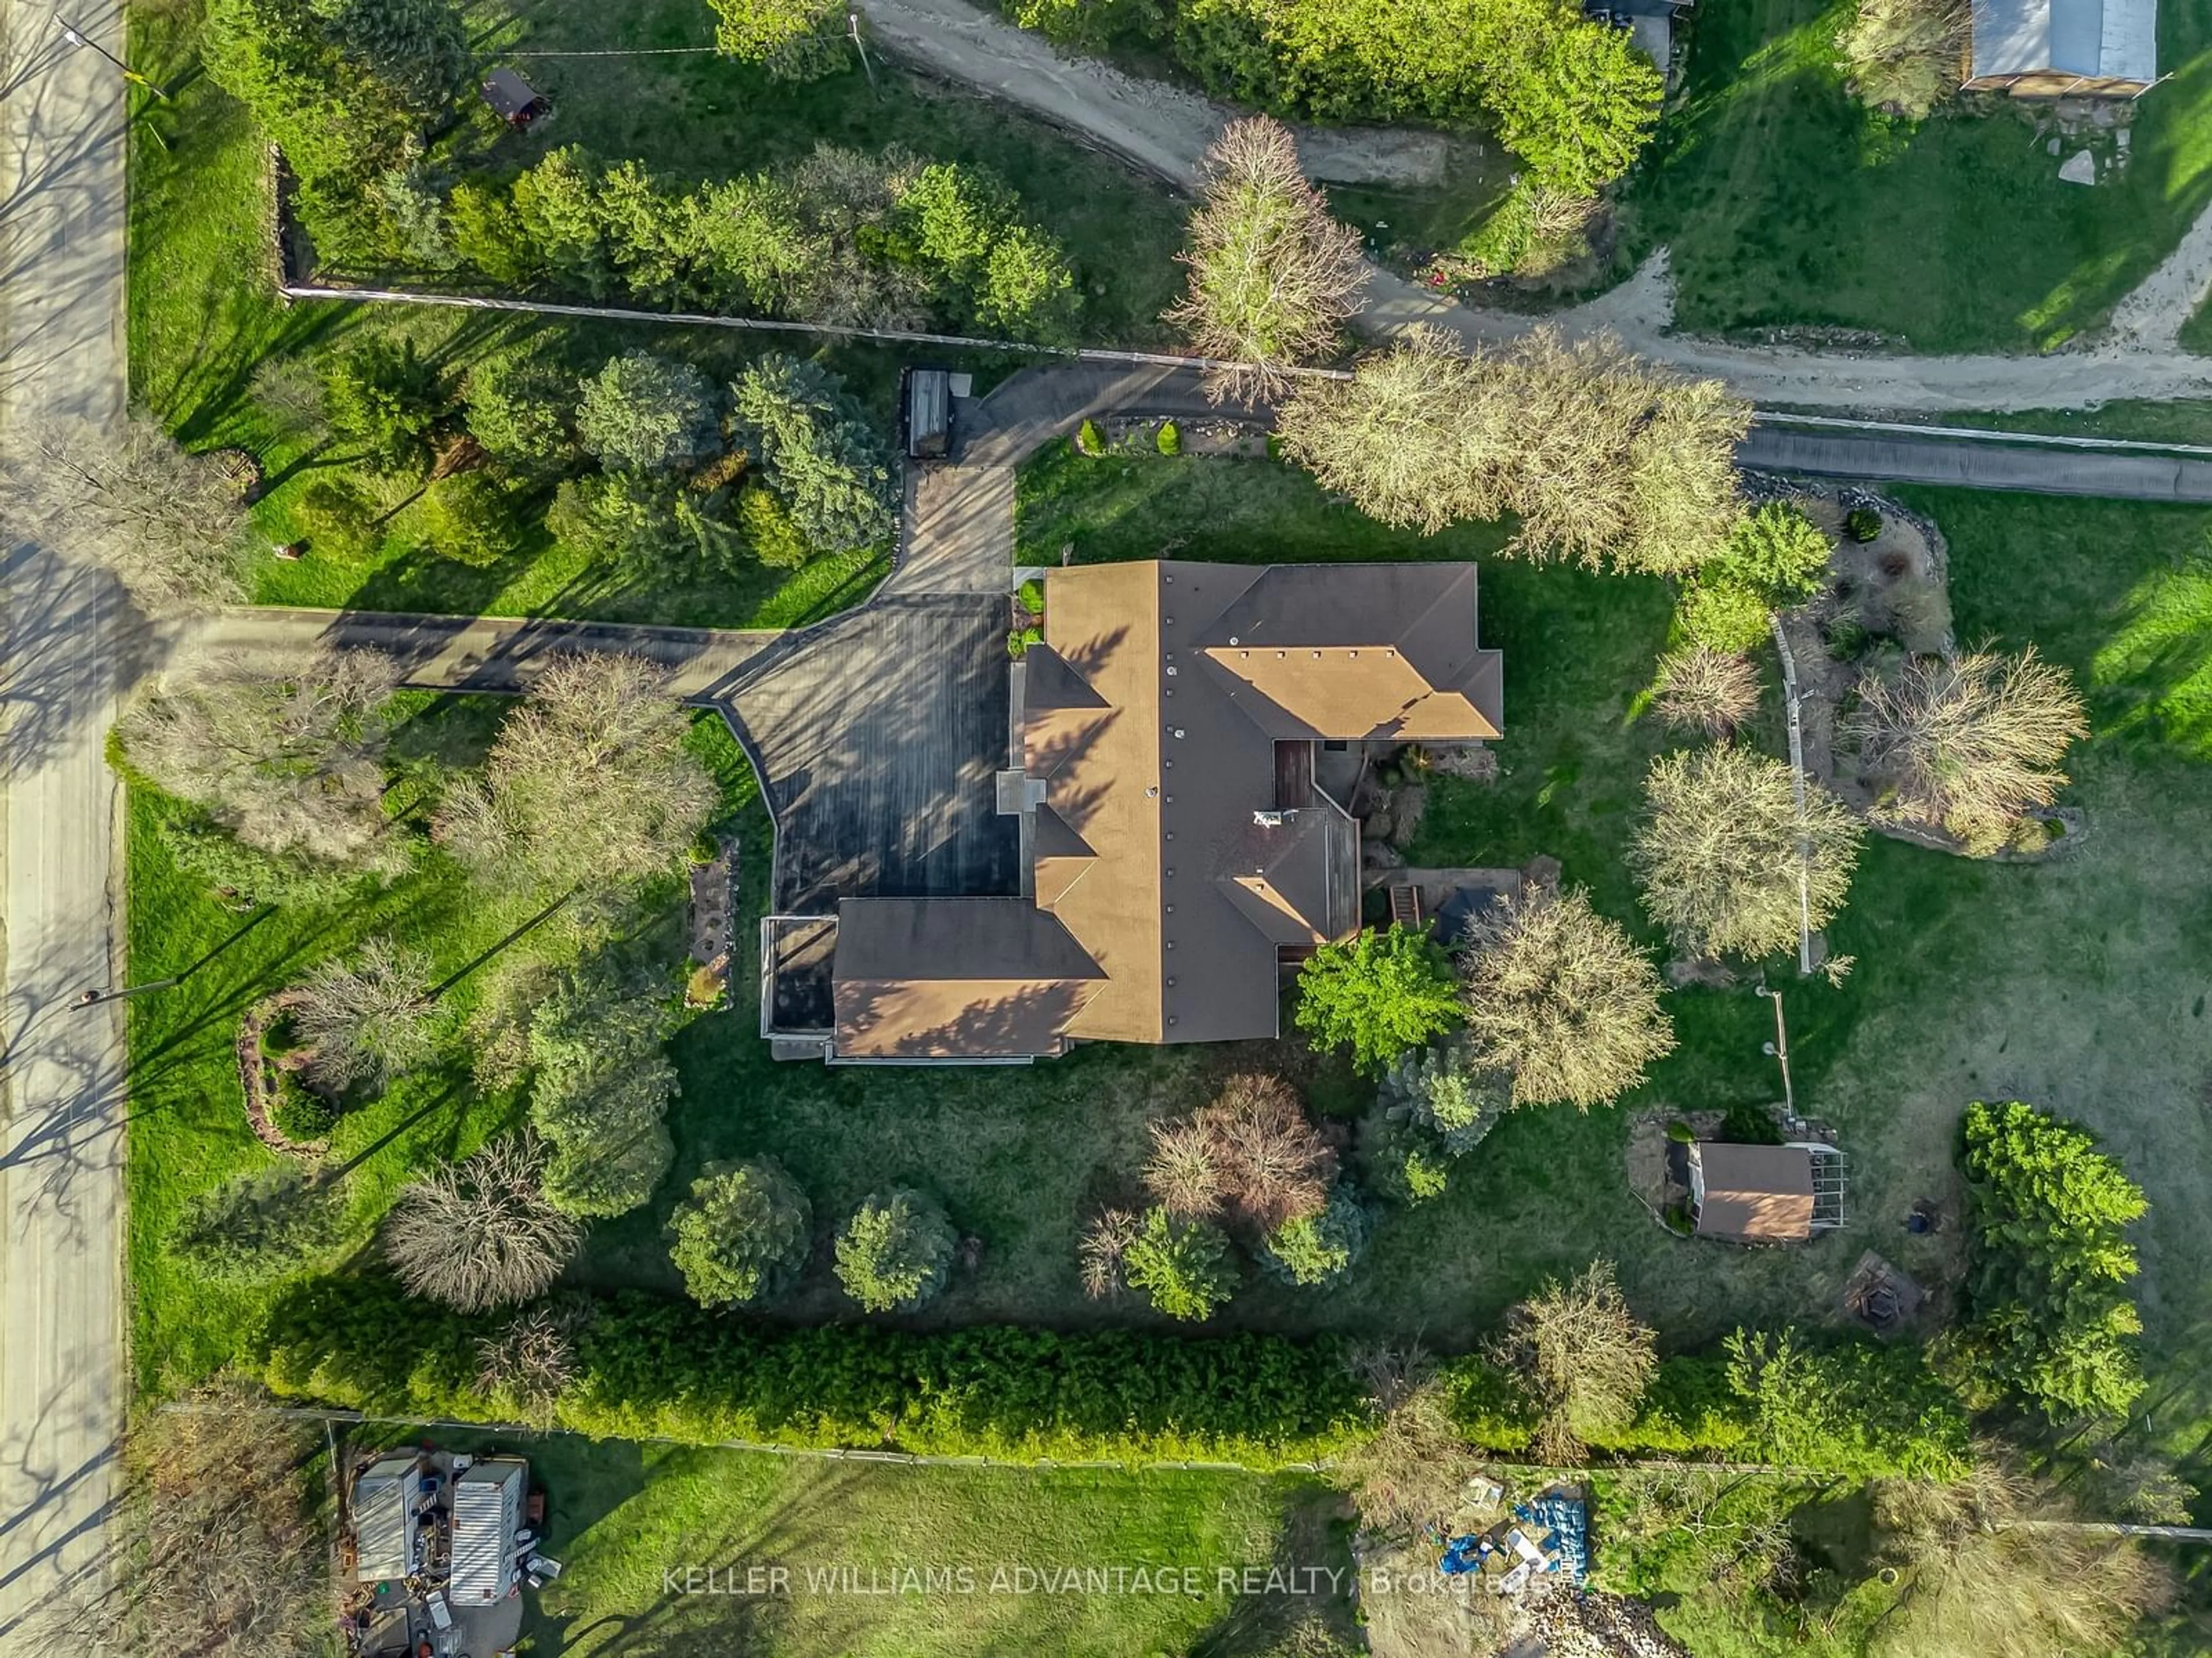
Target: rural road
x=61 y=1136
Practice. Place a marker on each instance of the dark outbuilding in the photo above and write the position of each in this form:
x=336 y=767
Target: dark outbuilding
x=513 y=99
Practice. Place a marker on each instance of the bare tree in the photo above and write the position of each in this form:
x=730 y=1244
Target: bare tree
x=1412 y=1471
x=1903 y=55
x=1707 y=691
x=479 y=1234
x=169 y=524
x=1968 y=745
x=365 y=1021
x=290 y=762
x=1723 y=846
x=1561 y=997
x=1275 y=1167
x=1106 y=1239
x=1273 y=276
x=531 y=1358
x=1582 y=1357
x=216 y=1549
x=1985 y=1570
x=589 y=784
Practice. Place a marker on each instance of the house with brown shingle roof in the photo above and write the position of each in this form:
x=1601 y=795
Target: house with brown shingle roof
x=1178 y=856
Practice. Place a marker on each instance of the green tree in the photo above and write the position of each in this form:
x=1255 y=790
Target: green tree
x=1576 y=105
x=792 y=40
x=418 y=48
x=1028 y=288
x=386 y=397
x=269 y=1224
x=1318 y=1250
x=894 y=1251
x=556 y=203
x=470 y=518
x=1378 y=995
x=1438 y=1091
x=1183 y=1267
x=341 y=521
x=2050 y=1322
x=517 y=407
x=817 y=451
x=643 y=413
x=742 y=1234
x=652 y=528
x=489 y=233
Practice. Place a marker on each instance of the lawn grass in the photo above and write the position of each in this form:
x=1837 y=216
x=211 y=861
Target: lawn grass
x=622 y=1518
x=2078 y=983
x=1785 y=202
x=188 y=1129
x=207 y=331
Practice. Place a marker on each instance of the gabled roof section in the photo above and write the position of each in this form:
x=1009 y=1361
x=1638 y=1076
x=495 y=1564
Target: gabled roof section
x=1366 y=652
x=2093 y=40
x=947 y=978
x=1295 y=875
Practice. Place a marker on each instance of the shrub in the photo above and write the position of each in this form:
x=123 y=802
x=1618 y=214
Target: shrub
x=1779 y=554
x=1168 y=440
x=1318 y=1249
x=1581 y=1357
x=470 y=518
x=1019 y=639
x=1182 y=1265
x=1720 y=616
x=1031 y=596
x=649 y=1365
x=300 y=1114
x=340 y=521
x=1862 y=524
x=1436 y=1092
x=479 y=1234
x=1379 y=994
x=2050 y=1323
x=742 y=1234
x=893 y=1251
x=260 y=1226
x=246 y=875
x=1088 y=440
x=1084 y=25
x=648 y=414
x=1706 y=691
x=767 y=531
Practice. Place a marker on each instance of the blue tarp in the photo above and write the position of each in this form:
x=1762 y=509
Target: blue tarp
x=1461 y=1554
x=1567 y=1520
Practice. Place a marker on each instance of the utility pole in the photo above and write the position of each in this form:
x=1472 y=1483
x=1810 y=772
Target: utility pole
x=1779 y=1047
x=77 y=39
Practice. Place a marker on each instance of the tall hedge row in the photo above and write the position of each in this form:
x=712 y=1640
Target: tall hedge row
x=648 y=1367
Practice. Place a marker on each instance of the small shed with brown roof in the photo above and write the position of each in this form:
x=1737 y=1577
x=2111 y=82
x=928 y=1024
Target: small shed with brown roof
x=1752 y=1194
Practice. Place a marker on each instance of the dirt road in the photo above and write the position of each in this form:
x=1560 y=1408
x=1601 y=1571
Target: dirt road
x=1164 y=130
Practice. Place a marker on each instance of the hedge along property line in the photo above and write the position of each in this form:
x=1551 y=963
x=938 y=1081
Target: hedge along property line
x=649 y=1369
x=290 y=290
